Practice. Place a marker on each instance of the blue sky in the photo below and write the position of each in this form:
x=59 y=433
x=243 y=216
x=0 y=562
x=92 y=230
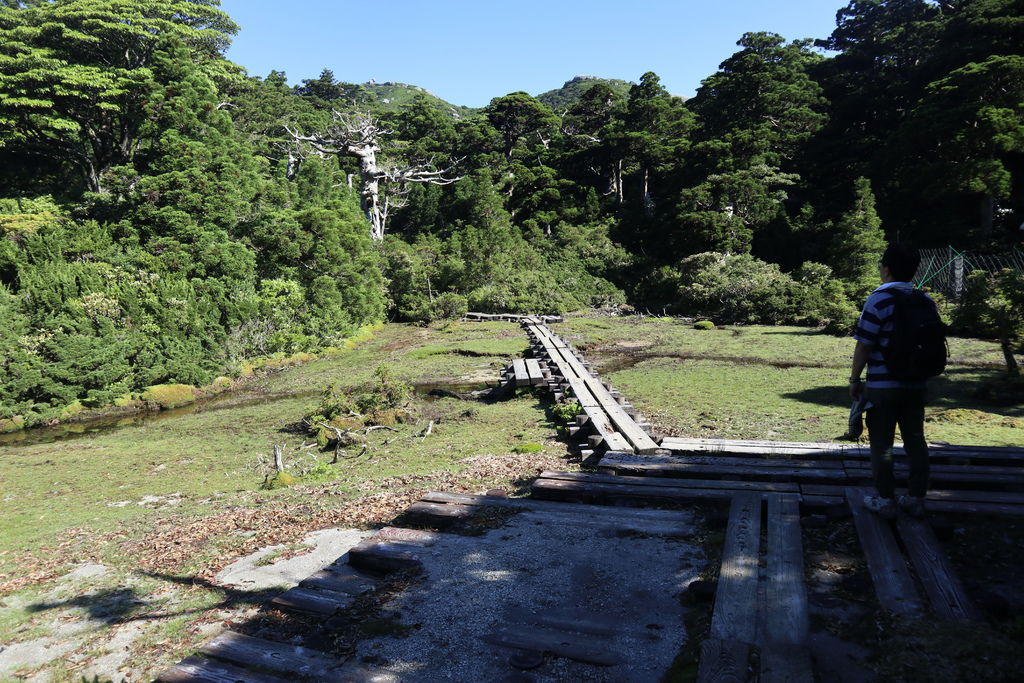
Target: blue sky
x=468 y=51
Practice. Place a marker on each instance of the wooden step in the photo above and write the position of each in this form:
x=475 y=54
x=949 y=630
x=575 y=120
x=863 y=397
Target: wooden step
x=890 y=575
x=941 y=583
x=323 y=602
x=294 y=661
x=203 y=670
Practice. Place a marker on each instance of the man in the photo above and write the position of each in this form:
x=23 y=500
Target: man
x=891 y=402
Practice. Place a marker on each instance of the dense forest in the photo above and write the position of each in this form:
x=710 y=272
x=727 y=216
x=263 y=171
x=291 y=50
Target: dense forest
x=164 y=216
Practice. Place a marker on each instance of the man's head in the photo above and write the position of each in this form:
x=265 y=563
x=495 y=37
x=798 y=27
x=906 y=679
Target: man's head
x=901 y=260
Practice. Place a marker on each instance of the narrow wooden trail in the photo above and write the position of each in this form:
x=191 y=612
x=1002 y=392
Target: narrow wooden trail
x=760 y=622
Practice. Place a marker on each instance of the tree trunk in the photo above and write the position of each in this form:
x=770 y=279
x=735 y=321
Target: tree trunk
x=988 y=208
x=369 y=197
x=648 y=204
x=1012 y=369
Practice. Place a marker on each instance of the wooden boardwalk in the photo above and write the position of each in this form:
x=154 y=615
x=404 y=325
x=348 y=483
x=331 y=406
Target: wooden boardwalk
x=760 y=605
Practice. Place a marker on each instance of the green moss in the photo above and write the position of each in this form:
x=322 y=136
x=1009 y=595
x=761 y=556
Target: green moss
x=11 y=424
x=169 y=395
x=527 y=447
x=72 y=410
x=704 y=325
x=279 y=480
x=124 y=401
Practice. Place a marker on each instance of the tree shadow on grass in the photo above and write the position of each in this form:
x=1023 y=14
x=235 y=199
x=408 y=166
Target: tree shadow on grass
x=950 y=390
x=122 y=605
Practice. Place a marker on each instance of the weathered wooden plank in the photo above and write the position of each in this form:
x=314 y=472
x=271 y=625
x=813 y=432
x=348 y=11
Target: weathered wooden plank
x=534 y=372
x=893 y=583
x=418 y=537
x=594 y=511
x=685 y=470
x=521 y=375
x=736 y=596
x=622 y=524
x=952 y=475
x=383 y=557
x=786 y=663
x=293 y=660
x=561 y=643
x=641 y=441
x=941 y=583
x=738 y=461
x=340 y=578
x=835 y=449
x=202 y=670
x=577 y=492
x=723 y=661
x=660 y=482
x=314 y=601
x=438 y=514
x=786 y=619
x=936 y=495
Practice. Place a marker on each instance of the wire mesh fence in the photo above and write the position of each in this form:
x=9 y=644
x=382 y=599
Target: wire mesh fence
x=945 y=270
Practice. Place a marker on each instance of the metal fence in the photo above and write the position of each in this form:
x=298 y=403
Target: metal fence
x=944 y=270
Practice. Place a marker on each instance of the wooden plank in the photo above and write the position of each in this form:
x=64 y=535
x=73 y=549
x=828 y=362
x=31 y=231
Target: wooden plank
x=392 y=534
x=437 y=514
x=340 y=578
x=576 y=492
x=659 y=482
x=723 y=661
x=561 y=643
x=846 y=450
x=941 y=583
x=685 y=470
x=616 y=525
x=383 y=557
x=313 y=601
x=533 y=370
x=202 y=670
x=292 y=660
x=641 y=441
x=786 y=619
x=786 y=463
x=893 y=583
x=595 y=511
x=522 y=377
x=582 y=393
x=935 y=495
x=736 y=596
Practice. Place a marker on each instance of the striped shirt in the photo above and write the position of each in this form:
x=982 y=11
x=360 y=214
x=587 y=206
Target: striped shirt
x=874 y=328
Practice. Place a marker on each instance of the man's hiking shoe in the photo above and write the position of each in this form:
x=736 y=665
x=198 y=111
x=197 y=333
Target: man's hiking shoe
x=883 y=507
x=913 y=506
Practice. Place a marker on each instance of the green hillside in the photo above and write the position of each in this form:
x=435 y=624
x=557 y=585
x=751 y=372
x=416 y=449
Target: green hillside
x=394 y=96
x=563 y=98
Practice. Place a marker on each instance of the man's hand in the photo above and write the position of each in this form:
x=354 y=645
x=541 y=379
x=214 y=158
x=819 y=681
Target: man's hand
x=856 y=390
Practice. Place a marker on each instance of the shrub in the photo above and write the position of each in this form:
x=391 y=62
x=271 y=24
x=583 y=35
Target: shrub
x=169 y=395
x=565 y=412
x=736 y=288
x=703 y=325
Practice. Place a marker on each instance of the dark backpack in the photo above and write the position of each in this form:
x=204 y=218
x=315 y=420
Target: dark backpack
x=917 y=344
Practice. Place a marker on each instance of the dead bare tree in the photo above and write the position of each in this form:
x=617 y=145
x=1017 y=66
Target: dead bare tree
x=383 y=185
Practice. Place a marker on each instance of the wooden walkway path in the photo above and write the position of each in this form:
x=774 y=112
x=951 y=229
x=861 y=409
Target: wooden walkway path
x=608 y=420
x=760 y=600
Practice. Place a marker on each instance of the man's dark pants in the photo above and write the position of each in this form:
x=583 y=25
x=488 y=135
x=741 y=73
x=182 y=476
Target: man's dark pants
x=889 y=408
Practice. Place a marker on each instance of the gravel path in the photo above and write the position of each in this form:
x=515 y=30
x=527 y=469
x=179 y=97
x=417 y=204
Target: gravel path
x=615 y=594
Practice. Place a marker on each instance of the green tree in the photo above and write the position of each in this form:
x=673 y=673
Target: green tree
x=858 y=243
x=75 y=76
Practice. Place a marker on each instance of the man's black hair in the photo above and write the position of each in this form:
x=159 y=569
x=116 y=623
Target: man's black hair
x=902 y=261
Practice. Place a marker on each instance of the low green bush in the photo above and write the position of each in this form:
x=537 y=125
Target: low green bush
x=703 y=325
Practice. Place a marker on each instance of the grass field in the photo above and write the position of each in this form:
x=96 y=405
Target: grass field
x=163 y=504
